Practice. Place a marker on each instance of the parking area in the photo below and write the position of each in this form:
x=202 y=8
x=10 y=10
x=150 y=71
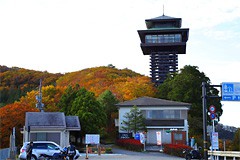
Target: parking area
x=120 y=154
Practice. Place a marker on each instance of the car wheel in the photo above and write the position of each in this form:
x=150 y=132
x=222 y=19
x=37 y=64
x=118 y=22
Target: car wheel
x=33 y=157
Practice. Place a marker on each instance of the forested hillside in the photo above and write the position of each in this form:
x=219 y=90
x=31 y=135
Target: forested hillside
x=125 y=84
x=19 y=88
x=16 y=82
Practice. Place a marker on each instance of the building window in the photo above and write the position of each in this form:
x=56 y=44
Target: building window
x=178 y=136
x=162 y=114
x=163 y=38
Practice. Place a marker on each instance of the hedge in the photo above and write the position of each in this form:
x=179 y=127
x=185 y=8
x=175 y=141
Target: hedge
x=130 y=144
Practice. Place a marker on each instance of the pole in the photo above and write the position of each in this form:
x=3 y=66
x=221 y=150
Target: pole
x=204 y=105
x=86 y=152
x=213 y=130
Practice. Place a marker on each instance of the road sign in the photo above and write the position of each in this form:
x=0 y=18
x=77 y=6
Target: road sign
x=231 y=91
x=215 y=144
x=212 y=115
x=212 y=109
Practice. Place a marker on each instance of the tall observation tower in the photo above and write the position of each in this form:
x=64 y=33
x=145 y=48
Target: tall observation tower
x=163 y=40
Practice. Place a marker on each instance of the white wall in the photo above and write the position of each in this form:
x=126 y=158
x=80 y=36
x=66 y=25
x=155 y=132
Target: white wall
x=151 y=134
x=121 y=113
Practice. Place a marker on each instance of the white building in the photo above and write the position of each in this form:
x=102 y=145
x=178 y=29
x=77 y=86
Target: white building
x=165 y=116
x=49 y=126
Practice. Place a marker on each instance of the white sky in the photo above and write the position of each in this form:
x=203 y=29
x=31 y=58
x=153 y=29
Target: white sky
x=71 y=35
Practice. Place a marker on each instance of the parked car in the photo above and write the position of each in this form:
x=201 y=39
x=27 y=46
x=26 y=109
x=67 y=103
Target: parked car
x=47 y=148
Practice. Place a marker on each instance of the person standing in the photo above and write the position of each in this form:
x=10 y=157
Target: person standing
x=71 y=151
x=29 y=150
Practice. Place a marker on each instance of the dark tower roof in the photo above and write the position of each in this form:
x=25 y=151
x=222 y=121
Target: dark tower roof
x=163 y=22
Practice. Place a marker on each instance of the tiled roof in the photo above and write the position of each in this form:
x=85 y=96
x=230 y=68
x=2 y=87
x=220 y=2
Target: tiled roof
x=149 y=101
x=162 y=17
x=51 y=120
x=72 y=122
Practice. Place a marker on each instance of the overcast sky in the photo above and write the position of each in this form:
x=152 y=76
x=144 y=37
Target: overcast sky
x=71 y=35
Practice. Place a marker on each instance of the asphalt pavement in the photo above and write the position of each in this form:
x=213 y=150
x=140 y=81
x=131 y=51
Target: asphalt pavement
x=121 y=154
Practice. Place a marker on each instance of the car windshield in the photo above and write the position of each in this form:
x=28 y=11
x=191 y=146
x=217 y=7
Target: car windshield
x=39 y=145
x=51 y=146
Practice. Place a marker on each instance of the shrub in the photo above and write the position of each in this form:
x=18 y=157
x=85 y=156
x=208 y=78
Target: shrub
x=175 y=149
x=130 y=144
x=108 y=150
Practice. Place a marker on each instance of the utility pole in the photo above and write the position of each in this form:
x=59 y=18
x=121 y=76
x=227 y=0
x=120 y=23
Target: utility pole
x=39 y=104
x=204 y=107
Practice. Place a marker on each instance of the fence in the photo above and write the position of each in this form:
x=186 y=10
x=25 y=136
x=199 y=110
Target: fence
x=225 y=154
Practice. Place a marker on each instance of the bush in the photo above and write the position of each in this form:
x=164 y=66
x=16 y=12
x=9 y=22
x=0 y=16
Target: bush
x=108 y=150
x=130 y=144
x=175 y=149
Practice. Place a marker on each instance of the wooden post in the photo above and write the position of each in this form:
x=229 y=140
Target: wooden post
x=99 y=149
x=86 y=151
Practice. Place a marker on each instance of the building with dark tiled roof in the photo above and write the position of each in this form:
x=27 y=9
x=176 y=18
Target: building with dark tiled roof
x=165 y=116
x=50 y=126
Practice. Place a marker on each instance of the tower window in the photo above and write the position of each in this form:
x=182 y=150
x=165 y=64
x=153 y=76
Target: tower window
x=163 y=38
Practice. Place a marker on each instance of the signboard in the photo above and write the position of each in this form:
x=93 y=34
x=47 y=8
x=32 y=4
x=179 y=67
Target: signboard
x=137 y=136
x=92 y=139
x=231 y=91
x=215 y=144
x=125 y=135
x=159 y=138
x=142 y=138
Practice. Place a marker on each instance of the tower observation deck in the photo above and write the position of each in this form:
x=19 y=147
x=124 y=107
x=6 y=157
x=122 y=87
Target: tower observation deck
x=163 y=40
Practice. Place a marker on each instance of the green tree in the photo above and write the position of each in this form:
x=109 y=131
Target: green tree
x=91 y=114
x=185 y=86
x=108 y=101
x=134 y=121
x=67 y=99
x=82 y=103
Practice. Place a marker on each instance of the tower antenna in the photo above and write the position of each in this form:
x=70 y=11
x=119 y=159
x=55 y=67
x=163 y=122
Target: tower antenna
x=163 y=10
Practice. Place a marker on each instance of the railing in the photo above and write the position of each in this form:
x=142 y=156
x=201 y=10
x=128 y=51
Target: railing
x=225 y=154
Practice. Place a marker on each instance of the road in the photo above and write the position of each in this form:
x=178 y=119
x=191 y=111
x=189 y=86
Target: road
x=120 y=154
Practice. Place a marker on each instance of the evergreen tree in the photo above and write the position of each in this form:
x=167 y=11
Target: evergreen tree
x=108 y=101
x=67 y=99
x=82 y=103
x=134 y=121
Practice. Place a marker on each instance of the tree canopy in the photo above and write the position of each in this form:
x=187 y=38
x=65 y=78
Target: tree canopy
x=185 y=86
x=134 y=121
x=82 y=103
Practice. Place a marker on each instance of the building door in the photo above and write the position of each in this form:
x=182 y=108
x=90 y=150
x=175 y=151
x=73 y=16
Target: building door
x=178 y=137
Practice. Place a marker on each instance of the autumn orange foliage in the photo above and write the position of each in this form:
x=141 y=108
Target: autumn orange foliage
x=13 y=115
x=124 y=84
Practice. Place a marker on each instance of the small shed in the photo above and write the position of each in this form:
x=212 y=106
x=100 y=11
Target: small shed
x=50 y=126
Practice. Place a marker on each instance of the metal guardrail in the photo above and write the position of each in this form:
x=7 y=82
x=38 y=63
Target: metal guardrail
x=225 y=154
